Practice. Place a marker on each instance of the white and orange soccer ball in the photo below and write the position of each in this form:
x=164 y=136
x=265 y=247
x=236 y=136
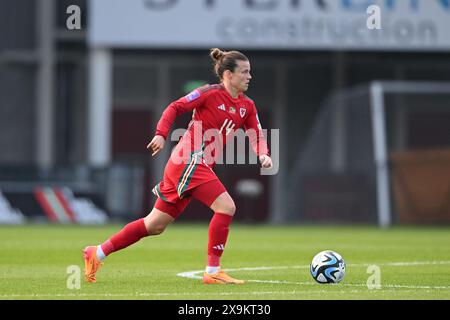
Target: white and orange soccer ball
x=328 y=267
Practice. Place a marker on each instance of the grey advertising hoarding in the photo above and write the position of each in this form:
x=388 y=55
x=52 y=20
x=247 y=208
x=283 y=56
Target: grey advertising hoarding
x=271 y=24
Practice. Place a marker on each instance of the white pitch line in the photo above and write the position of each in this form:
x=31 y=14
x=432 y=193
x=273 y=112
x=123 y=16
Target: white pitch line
x=351 y=285
x=184 y=294
x=195 y=274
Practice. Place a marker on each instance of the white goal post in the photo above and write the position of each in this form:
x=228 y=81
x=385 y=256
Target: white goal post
x=378 y=90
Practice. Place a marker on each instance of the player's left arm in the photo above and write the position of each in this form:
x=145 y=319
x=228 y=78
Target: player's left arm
x=253 y=129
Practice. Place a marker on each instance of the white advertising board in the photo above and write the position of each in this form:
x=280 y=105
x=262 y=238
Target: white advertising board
x=270 y=24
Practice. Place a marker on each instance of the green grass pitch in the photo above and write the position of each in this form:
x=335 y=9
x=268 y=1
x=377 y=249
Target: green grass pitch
x=41 y=262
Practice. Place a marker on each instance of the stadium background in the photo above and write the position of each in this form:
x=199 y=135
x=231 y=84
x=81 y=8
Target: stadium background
x=78 y=107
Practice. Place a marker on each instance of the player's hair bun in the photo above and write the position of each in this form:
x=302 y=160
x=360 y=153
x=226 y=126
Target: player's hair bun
x=216 y=54
x=225 y=60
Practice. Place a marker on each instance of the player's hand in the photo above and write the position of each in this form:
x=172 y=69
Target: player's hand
x=156 y=144
x=266 y=161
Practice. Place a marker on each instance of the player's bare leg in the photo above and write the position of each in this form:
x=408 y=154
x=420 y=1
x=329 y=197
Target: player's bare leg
x=157 y=221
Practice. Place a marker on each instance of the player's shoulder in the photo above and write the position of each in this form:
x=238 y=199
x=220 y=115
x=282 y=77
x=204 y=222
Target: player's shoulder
x=203 y=91
x=248 y=100
x=211 y=88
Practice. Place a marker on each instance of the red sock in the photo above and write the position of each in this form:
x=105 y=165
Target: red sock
x=131 y=233
x=218 y=233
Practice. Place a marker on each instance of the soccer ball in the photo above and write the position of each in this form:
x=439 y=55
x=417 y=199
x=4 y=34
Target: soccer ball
x=328 y=267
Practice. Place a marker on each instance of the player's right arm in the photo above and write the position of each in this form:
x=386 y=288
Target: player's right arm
x=185 y=104
x=156 y=144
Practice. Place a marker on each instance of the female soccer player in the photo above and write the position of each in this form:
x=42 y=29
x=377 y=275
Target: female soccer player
x=218 y=110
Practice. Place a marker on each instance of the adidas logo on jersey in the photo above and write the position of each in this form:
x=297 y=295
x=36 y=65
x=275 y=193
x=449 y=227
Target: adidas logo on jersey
x=222 y=107
x=219 y=247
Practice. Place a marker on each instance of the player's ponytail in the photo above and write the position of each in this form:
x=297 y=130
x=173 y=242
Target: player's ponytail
x=225 y=60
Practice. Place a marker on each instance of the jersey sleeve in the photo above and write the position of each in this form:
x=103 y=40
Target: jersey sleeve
x=193 y=100
x=253 y=129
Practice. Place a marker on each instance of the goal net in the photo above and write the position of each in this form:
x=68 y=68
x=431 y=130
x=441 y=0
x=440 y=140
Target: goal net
x=377 y=153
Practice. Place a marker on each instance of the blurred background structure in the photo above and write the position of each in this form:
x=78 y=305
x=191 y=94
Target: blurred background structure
x=364 y=114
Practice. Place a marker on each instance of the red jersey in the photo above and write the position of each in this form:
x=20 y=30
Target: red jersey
x=213 y=108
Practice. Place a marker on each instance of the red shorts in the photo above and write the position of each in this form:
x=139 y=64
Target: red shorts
x=182 y=182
